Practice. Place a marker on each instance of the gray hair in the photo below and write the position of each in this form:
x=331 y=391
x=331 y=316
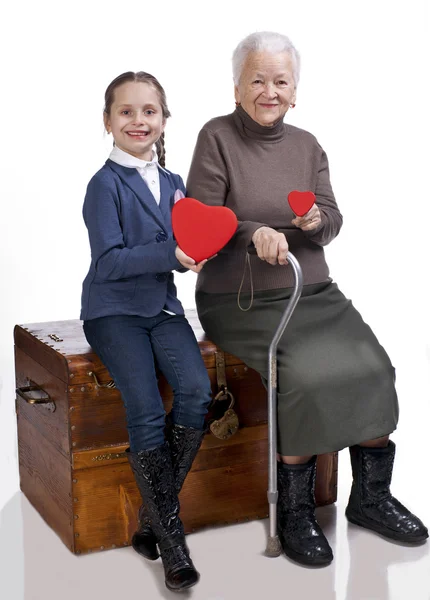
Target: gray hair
x=264 y=41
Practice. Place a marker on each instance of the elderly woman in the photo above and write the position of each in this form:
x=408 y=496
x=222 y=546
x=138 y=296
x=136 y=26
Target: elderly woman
x=335 y=381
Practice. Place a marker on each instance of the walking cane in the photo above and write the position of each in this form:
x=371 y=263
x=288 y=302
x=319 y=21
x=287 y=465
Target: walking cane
x=273 y=547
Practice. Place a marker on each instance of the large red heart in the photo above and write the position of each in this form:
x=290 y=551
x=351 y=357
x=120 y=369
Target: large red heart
x=200 y=230
x=301 y=202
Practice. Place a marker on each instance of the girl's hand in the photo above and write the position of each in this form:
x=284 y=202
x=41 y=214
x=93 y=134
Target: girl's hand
x=271 y=245
x=311 y=220
x=189 y=263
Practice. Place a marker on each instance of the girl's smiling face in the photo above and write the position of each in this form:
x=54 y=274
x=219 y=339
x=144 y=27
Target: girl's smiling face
x=136 y=119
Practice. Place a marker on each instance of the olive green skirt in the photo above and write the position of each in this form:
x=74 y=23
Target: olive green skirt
x=335 y=381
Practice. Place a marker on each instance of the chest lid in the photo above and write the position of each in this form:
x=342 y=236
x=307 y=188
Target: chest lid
x=61 y=347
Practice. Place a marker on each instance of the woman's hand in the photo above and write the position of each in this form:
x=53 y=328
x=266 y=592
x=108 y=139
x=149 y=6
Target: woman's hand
x=189 y=263
x=311 y=220
x=271 y=245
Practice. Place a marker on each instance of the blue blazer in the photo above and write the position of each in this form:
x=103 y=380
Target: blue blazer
x=132 y=245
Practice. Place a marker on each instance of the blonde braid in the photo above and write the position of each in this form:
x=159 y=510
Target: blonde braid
x=161 y=151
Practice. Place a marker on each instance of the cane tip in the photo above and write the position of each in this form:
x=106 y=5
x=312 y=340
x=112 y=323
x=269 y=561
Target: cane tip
x=273 y=548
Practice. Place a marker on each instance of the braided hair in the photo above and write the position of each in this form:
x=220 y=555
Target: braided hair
x=140 y=77
x=161 y=152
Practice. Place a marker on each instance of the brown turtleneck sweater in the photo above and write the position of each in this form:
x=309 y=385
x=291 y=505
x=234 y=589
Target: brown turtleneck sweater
x=251 y=169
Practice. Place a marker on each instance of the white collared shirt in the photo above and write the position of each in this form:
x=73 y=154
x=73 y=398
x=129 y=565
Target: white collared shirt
x=148 y=170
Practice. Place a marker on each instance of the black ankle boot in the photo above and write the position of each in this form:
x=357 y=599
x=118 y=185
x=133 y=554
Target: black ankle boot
x=300 y=535
x=154 y=477
x=371 y=504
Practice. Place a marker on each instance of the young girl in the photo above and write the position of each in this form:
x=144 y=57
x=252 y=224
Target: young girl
x=133 y=319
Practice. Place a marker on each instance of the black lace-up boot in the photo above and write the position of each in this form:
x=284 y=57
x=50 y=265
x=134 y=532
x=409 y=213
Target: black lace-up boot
x=154 y=477
x=371 y=504
x=301 y=537
x=143 y=540
x=184 y=444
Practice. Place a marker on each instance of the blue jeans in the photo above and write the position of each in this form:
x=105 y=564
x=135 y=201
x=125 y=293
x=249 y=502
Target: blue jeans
x=130 y=347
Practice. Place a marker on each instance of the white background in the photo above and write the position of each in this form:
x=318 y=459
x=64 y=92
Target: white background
x=363 y=93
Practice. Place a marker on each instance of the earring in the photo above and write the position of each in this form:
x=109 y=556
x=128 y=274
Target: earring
x=292 y=105
x=237 y=103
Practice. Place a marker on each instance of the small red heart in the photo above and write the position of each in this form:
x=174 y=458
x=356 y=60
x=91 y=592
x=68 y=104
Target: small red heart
x=200 y=230
x=301 y=202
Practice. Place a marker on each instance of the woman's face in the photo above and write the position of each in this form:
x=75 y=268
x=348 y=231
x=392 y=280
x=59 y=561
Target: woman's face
x=266 y=87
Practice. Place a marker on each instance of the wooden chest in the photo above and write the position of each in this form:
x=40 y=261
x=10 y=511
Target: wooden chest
x=72 y=439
